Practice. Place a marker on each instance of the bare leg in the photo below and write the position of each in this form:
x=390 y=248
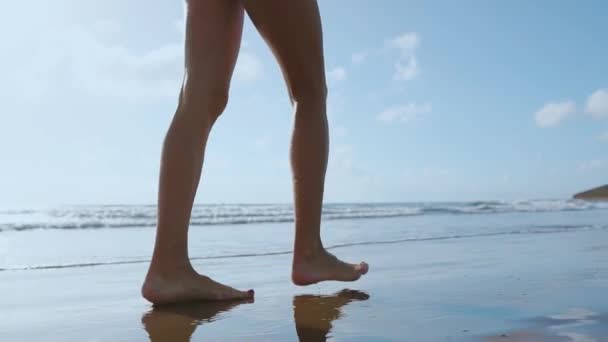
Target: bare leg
x=292 y=29
x=213 y=35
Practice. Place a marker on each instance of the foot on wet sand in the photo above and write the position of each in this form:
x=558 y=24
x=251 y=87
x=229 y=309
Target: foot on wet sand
x=188 y=286
x=325 y=266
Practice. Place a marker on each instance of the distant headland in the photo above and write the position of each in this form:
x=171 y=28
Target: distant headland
x=596 y=194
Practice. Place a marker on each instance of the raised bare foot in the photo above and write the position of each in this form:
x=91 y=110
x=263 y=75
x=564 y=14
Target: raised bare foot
x=324 y=266
x=187 y=286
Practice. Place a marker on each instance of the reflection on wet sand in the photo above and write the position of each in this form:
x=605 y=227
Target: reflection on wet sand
x=314 y=315
x=177 y=322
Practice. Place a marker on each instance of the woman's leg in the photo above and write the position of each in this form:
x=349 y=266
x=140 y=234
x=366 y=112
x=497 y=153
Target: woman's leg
x=292 y=29
x=213 y=36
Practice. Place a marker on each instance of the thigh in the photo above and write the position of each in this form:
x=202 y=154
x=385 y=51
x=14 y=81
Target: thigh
x=292 y=29
x=213 y=38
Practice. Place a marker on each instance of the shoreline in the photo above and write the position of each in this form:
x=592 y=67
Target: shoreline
x=475 y=289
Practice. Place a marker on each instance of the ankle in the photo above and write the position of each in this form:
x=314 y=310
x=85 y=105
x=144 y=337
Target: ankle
x=309 y=252
x=167 y=269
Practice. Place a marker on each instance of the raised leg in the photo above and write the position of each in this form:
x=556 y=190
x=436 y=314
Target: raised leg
x=213 y=36
x=292 y=29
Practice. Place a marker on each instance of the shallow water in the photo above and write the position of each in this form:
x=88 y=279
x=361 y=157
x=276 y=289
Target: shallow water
x=56 y=238
x=507 y=287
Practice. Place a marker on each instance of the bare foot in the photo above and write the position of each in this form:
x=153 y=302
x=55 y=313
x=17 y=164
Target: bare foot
x=325 y=266
x=188 y=286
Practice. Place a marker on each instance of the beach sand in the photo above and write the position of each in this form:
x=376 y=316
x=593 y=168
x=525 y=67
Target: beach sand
x=542 y=287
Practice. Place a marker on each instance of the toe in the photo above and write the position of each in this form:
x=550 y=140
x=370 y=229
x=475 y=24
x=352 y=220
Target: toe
x=236 y=294
x=362 y=268
x=245 y=294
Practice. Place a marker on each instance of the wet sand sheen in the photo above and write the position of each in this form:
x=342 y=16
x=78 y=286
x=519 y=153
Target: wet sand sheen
x=512 y=288
x=313 y=316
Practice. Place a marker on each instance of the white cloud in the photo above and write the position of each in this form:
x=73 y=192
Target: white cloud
x=359 y=57
x=406 y=42
x=406 y=67
x=89 y=60
x=248 y=67
x=79 y=58
x=406 y=70
x=552 y=113
x=336 y=74
x=597 y=104
x=404 y=113
x=592 y=165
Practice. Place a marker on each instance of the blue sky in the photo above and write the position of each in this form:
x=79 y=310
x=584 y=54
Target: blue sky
x=428 y=100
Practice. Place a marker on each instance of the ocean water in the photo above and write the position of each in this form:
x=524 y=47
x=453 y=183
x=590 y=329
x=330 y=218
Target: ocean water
x=88 y=236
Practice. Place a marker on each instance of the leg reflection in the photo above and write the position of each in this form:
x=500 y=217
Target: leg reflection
x=177 y=322
x=314 y=314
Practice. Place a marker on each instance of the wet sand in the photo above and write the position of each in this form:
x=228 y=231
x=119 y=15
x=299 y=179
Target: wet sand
x=544 y=287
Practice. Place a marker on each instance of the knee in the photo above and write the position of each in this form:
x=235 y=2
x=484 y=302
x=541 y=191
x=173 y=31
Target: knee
x=204 y=99
x=312 y=94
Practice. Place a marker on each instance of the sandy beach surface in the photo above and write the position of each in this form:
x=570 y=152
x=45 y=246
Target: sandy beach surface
x=541 y=287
